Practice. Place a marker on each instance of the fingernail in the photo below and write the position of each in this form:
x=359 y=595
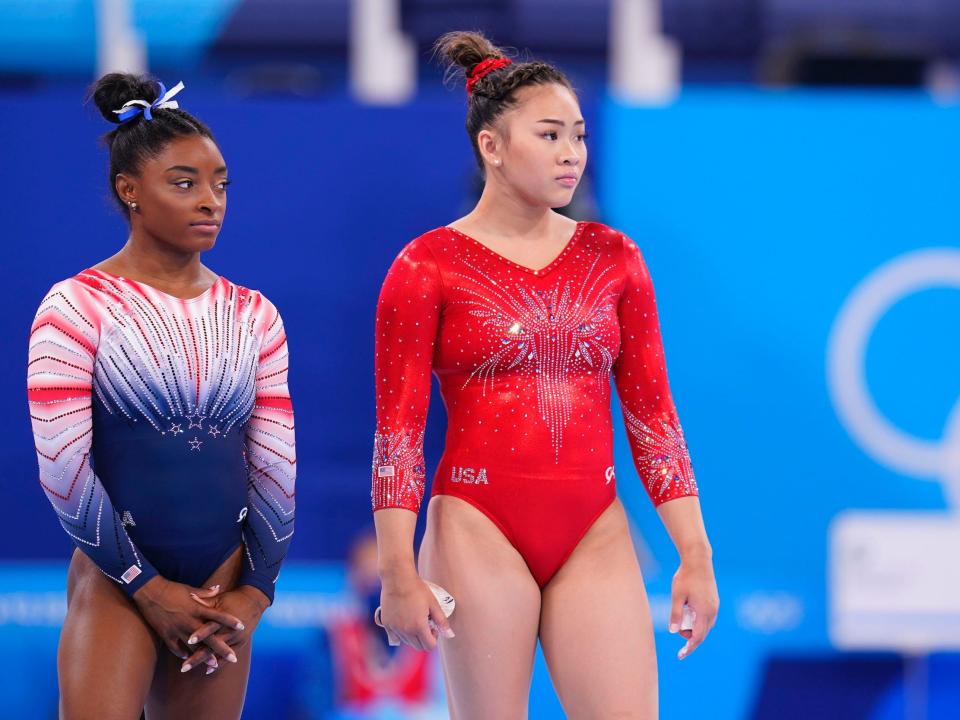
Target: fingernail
x=210 y=670
x=682 y=654
x=192 y=641
x=674 y=628
x=211 y=662
x=185 y=667
x=232 y=658
x=214 y=587
x=195 y=596
x=448 y=633
x=241 y=626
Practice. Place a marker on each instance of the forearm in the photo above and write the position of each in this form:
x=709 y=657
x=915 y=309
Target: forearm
x=395 y=530
x=684 y=523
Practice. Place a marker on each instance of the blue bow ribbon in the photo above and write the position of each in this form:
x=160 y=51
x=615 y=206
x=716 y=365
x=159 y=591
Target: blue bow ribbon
x=133 y=108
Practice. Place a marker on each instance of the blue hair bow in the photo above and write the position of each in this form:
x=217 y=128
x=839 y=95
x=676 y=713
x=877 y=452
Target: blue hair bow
x=132 y=108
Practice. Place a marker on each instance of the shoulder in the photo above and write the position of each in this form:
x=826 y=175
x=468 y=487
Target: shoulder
x=72 y=306
x=609 y=238
x=245 y=298
x=615 y=244
x=422 y=254
x=428 y=246
x=79 y=292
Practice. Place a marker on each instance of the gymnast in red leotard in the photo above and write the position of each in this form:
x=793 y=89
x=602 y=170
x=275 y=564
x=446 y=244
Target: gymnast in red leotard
x=524 y=316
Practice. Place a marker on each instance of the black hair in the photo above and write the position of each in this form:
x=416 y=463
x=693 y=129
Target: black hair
x=496 y=92
x=138 y=139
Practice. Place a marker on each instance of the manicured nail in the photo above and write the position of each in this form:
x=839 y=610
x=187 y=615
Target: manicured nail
x=448 y=633
x=214 y=587
x=682 y=654
x=185 y=667
x=211 y=662
x=241 y=626
x=232 y=658
x=192 y=641
x=674 y=628
x=210 y=670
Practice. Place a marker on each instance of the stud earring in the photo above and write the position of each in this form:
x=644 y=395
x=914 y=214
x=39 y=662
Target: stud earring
x=133 y=206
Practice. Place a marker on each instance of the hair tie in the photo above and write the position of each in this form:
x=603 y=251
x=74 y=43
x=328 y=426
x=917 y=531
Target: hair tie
x=132 y=108
x=482 y=69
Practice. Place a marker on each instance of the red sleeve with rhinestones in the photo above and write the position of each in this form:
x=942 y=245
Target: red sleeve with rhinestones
x=640 y=372
x=406 y=327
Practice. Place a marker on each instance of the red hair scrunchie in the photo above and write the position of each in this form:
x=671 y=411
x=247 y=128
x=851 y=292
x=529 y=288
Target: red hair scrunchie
x=482 y=69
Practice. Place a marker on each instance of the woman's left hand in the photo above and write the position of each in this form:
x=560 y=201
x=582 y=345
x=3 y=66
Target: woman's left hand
x=212 y=639
x=694 y=585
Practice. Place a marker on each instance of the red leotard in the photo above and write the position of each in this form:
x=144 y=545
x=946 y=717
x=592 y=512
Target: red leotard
x=524 y=359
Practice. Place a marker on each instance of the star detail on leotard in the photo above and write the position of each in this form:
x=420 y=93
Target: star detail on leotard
x=196 y=416
x=213 y=430
x=176 y=428
x=195 y=444
x=663 y=459
x=545 y=334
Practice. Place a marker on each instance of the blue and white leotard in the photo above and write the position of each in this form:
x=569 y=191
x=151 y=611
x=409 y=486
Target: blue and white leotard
x=164 y=427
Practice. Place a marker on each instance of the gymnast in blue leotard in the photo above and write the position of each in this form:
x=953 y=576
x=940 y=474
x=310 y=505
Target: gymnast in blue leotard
x=164 y=433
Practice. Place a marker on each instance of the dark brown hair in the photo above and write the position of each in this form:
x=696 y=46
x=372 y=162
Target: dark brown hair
x=495 y=92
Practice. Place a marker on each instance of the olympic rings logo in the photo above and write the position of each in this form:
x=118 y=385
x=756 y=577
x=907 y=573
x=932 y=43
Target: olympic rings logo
x=846 y=376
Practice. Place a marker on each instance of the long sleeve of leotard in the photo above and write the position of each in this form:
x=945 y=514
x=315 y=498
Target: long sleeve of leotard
x=408 y=314
x=271 y=458
x=62 y=356
x=656 y=438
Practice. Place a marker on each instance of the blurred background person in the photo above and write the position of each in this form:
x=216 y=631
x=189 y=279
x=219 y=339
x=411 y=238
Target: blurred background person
x=374 y=679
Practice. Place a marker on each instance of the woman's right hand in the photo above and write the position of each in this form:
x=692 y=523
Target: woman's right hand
x=406 y=606
x=174 y=615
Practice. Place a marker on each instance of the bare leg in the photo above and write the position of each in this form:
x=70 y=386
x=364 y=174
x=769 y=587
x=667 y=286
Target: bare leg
x=176 y=695
x=488 y=665
x=107 y=653
x=596 y=630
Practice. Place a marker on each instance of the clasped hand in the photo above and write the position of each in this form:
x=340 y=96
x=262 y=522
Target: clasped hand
x=202 y=627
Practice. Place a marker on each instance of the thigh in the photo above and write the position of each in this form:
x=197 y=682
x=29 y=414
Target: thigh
x=175 y=695
x=488 y=665
x=107 y=652
x=596 y=630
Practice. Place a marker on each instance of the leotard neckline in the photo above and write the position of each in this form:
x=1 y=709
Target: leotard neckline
x=140 y=283
x=537 y=272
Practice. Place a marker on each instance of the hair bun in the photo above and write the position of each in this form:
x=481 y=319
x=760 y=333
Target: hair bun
x=466 y=50
x=113 y=90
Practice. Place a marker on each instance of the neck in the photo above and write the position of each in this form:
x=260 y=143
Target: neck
x=505 y=214
x=155 y=259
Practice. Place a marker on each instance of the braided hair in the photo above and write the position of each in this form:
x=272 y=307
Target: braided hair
x=138 y=139
x=496 y=91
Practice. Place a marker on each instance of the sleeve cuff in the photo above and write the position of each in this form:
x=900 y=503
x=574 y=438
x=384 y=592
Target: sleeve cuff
x=136 y=576
x=267 y=587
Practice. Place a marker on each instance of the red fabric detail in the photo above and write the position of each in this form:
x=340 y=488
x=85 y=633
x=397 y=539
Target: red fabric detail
x=524 y=359
x=483 y=69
